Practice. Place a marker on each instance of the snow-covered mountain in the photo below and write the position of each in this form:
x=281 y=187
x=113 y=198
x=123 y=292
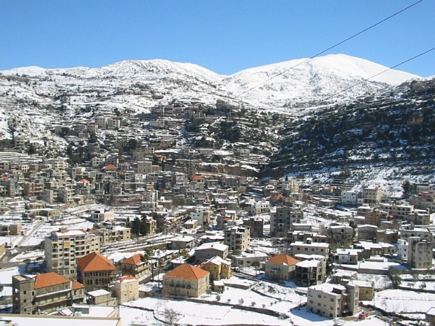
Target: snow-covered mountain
x=332 y=78
x=40 y=96
x=275 y=85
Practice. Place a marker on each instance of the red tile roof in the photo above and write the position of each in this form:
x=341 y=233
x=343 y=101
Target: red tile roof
x=77 y=285
x=95 y=262
x=133 y=260
x=283 y=259
x=49 y=279
x=187 y=272
x=110 y=167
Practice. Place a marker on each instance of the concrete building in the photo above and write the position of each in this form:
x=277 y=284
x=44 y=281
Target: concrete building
x=210 y=249
x=372 y=195
x=126 y=288
x=256 y=225
x=332 y=301
x=44 y=293
x=63 y=247
x=310 y=248
x=420 y=252
x=311 y=270
x=238 y=238
x=282 y=220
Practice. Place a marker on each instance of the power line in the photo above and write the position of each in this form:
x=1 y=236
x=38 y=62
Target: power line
x=331 y=47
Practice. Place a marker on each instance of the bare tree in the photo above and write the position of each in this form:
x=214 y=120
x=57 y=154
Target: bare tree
x=171 y=315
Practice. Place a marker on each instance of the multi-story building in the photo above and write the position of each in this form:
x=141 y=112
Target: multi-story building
x=401 y=211
x=63 y=247
x=126 y=288
x=186 y=280
x=332 y=300
x=420 y=252
x=281 y=267
x=372 y=195
x=256 y=225
x=238 y=238
x=44 y=293
x=202 y=214
x=95 y=271
x=311 y=270
x=341 y=233
x=282 y=220
x=114 y=234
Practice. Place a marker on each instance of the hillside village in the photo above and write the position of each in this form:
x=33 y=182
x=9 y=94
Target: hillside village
x=131 y=216
x=206 y=212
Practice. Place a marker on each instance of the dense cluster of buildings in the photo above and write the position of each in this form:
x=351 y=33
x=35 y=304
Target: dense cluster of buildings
x=167 y=190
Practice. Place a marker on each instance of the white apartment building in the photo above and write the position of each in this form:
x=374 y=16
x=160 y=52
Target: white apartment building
x=63 y=247
x=310 y=248
x=202 y=215
x=349 y=198
x=332 y=300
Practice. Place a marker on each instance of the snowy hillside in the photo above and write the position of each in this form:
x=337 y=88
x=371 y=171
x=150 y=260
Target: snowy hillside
x=32 y=98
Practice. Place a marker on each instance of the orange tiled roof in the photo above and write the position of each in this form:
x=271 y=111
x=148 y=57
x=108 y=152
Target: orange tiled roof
x=198 y=178
x=77 y=285
x=187 y=272
x=110 y=167
x=49 y=279
x=84 y=180
x=95 y=262
x=133 y=260
x=283 y=259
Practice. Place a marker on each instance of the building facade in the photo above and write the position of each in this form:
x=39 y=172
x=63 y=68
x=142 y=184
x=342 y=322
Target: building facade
x=186 y=280
x=63 y=247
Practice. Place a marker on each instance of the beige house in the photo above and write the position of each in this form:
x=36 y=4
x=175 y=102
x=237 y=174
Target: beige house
x=126 y=289
x=95 y=271
x=186 y=280
x=281 y=267
x=218 y=268
x=332 y=300
x=136 y=266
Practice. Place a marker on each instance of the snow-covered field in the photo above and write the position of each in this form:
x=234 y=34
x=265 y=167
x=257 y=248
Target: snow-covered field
x=402 y=301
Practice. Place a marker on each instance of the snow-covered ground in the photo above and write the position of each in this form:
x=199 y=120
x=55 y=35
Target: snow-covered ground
x=403 y=302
